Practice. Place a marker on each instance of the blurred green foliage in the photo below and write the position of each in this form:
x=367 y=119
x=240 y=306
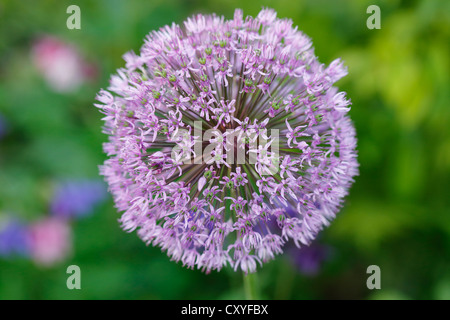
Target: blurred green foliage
x=397 y=214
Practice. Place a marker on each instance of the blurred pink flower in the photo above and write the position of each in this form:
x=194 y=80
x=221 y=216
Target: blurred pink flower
x=60 y=64
x=50 y=241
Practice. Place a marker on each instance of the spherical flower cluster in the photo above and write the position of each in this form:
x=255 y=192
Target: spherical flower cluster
x=253 y=79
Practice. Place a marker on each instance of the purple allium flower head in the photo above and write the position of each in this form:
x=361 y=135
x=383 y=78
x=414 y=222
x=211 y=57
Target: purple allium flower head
x=75 y=199
x=175 y=109
x=14 y=239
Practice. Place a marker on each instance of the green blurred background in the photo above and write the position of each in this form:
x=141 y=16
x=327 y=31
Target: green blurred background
x=397 y=214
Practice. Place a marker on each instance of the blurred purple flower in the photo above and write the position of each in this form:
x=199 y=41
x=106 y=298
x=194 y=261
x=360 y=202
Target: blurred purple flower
x=50 y=241
x=309 y=259
x=75 y=199
x=3 y=126
x=14 y=239
x=60 y=64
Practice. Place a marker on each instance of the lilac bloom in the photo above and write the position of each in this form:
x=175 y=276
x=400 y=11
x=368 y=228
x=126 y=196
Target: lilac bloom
x=244 y=78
